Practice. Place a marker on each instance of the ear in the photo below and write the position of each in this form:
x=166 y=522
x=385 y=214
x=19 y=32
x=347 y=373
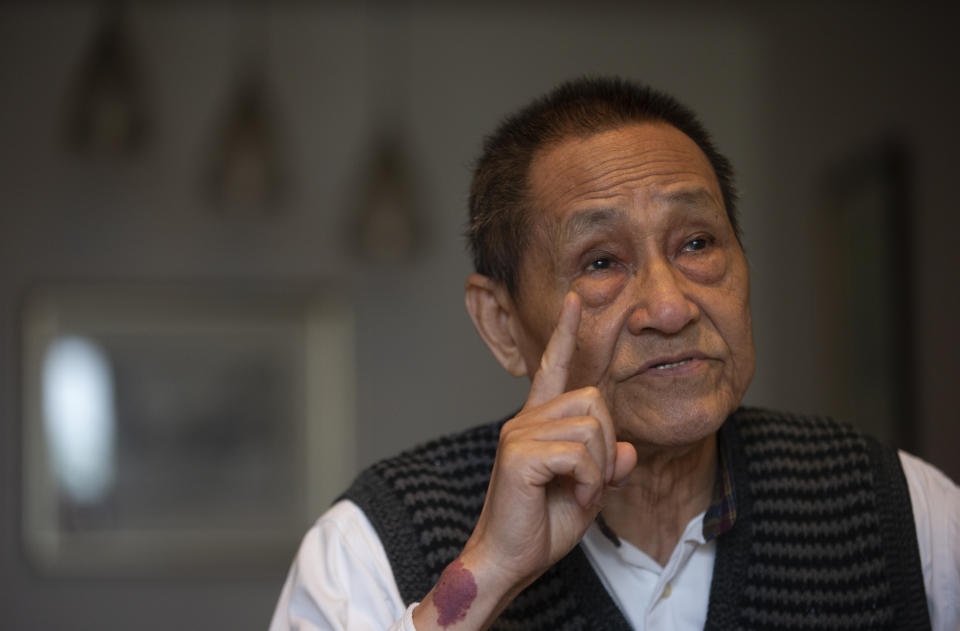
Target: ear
x=495 y=316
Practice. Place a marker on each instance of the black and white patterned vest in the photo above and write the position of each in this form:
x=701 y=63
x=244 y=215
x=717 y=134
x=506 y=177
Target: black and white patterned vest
x=824 y=537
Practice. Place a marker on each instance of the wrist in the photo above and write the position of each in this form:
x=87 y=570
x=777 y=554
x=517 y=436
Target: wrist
x=471 y=593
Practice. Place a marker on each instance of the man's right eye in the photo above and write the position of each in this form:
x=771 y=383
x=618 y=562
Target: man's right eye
x=600 y=263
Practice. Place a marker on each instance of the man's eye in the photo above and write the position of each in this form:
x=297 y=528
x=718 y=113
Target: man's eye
x=600 y=263
x=696 y=244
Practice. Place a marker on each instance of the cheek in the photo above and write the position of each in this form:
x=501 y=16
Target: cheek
x=600 y=329
x=731 y=316
x=599 y=290
x=743 y=348
x=707 y=268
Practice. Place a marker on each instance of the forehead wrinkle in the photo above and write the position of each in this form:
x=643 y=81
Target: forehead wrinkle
x=667 y=178
x=585 y=221
x=600 y=185
x=694 y=198
x=578 y=163
x=579 y=166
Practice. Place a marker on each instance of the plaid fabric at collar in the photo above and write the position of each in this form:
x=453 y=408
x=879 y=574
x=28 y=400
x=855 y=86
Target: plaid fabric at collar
x=722 y=513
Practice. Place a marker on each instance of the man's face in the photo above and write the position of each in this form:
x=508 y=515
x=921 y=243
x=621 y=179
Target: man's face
x=633 y=221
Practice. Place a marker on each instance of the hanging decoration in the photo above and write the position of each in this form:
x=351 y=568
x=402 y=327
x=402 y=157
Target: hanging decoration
x=386 y=228
x=245 y=166
x=106 y=108
x=387 y=224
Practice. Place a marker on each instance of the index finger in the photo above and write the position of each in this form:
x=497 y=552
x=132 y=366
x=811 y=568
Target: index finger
x=551 y=378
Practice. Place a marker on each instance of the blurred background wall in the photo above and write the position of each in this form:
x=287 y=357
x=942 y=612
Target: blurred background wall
x=790 y=90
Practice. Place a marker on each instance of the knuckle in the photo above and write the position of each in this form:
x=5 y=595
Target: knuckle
x=582 y=452
x=544 y=365
x=588 y=427
x=514 y=425
x=508 y=450
x=590 y=393
x=507 y=438
x=591 y=477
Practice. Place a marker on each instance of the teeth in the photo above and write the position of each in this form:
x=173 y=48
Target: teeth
x=665 y=366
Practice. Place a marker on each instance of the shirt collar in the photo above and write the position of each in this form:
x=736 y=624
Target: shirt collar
x=722 y=513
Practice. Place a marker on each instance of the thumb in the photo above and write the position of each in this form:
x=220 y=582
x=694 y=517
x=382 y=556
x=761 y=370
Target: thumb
x=624 y=464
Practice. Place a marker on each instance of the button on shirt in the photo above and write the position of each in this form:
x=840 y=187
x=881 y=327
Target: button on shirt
x=341 y=580
x=651 y=596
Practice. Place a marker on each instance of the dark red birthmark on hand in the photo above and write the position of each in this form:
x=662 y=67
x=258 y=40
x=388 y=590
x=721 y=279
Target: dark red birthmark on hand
x=454 y=594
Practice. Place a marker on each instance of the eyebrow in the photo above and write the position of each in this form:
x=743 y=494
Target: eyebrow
x=589 y=220
x=691 y=197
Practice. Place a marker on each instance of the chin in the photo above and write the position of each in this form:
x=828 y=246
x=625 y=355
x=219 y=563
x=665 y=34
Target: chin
x=673 y=423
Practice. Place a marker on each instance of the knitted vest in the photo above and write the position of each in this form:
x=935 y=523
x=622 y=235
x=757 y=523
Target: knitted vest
x=824 y=537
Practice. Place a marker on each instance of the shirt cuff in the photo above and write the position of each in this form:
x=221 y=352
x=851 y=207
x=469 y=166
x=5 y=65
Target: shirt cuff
x=406 y=623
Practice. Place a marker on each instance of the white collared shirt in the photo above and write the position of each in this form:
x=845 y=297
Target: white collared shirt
x=650 y=596
x=341 y=579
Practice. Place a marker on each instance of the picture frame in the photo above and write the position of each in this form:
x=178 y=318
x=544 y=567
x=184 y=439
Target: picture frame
x=181 y=429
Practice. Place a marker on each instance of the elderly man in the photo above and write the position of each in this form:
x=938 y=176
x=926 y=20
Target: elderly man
x=631 y=490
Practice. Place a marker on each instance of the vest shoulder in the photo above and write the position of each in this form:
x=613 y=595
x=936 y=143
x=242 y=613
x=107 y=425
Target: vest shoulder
x=823 y=523
x=425 y=501
x=756 y=425
x=451 y=454
x=813 y=447
x=449 y=473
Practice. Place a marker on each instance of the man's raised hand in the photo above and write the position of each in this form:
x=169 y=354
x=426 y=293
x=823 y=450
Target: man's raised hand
x=554 y=462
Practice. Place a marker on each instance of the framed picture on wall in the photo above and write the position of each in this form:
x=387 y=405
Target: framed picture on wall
x=178 y=429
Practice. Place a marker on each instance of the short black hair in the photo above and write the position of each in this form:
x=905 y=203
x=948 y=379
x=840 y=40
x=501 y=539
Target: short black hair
x=499 y=203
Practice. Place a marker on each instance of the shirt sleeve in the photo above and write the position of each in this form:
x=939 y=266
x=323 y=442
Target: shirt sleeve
x=341 y=580
x=936 y=512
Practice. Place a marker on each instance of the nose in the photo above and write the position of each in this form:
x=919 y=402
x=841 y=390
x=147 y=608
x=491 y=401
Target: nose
x=661 y=302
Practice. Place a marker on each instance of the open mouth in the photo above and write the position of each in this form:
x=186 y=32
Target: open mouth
x=673 y=364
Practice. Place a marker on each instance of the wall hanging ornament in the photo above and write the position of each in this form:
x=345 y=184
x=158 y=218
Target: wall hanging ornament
x=106 y=109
